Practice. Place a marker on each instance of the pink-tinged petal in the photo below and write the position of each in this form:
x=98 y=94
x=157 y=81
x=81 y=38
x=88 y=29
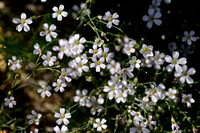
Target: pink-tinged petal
x=175 y=54
x=16 y=20
x=43 y=33
x=182 y=61
x=19 y=27
x=64 y=14
x=189 y=80
x=54 y=15
x=45 y=26
x=68 y=115
x=62 y=110
x=191 y=71
x=59 y=18
x=61 y=7
x=23 y=16
x=82 y=40
x=55 y=9
x=28 y=21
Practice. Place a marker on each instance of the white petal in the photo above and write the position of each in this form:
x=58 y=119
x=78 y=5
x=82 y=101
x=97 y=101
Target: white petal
x=16 y=20
x=23 y=16
x=19 y=27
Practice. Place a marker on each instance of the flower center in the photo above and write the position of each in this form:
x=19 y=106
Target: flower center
x=186 y=99
x=62 y=116
x=10 y=101
x=188 y=37
x=151 y=18
x=134 y=62
x=23 y=21
x=98 y=41
x=77 y=42
x=80 y=65
x=98 y=63
x=105 y=54
x=48 y=58
x=146 y=50
x=174 y=62
x=95 y=51
x=59 y=12
x=44 y=89
x=63 y=74
x=171 y=94
x=99 y=124
x=48 y=31
x=120 y=95
x=110 y=19
x=59 y=85
x=15 y=62
x=185 y=74
x=139 y=128
x=148 y=122
x=62 y=49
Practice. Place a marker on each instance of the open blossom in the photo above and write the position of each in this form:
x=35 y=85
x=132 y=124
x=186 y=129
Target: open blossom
x=9 y=102
x=153 y=17
x=34 y=118
x=175 y=62
x=14 y=63
x=23 y=23
x=98 y=64
x=63 y=129
x=94 y=104
x=48 y=59
x=146 y=50
x=81 y=97
x=134 y=62
x=62 y=117
x=171 y=93
x=189 y=37
x=65 y=73
x=100 y=124
x=187 y=99
x=37 y=49
x=185 y=75
x=98 y=42
x=48 y=32
x=114 y=67
x=59 y=13
x=111 y=19
x=60 y=85
x=45 y=91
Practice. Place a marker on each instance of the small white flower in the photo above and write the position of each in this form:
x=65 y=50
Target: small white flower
x=149 y=122
x=65 y=73
x=114 y=67
x=171 y=93
x=155 y=5
x=62 y=117
x=189 y=37
x=185 y=75
x=23 y=23
x=34 y=118
x=35 y=131
x=146 y=51
x=158 y=59
x=174 y=62
x=63 y=129
x=100 y=124
x=60 y=85
x=82 y=10
x=45 y=91
x=128 y=48
x=127 y=72
x=107 y=56
x=97 y=52
x=111 y=89
x=98 y=64
x=14 y=63
x=120 y=96
x=140 y=128
x=77 y=44
x=37 y=49
x=187 y=99
x=153 y=17
x=81 y=97
x=111 y=19
x=48 y=32
x=134 y=62
x=59 y=13
x=95 y=104
x=98 y=42
x=9 y=102
x=48 y=59
x=63 y=48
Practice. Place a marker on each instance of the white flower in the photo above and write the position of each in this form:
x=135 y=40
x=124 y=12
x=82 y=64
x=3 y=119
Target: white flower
x=59 y=85
x=153 y=17
x=145 y=103
x=155 y=5
x=14 y=63
x=77 y=44
x=189 y=37
x=37 y=49
x=137 y=117
x=23 y=23
x=98 y=42
x=135 y=62
x=59 y=13
x=97 y=52
x=45 y=91
x=185 y=75
x=48 y=59
x=107 y=56
x=111 y=89
x=187 y=99
x=114 y=67
x=120 y=96
x=149 y=122
x=111 y=19
x=81 y=97
x=35 y=131
x=34 y=118
x=62 y=117
x=128 y=48
x=127 y=72
x=146 y=51
x=100 y=124
x=48 y=32
x=174 y=62
x=95 y=104
x=158 y=59
x=98 y=64
x=81 y=63
x=65 y=73
x=171 y=93
x=64 y=48
x=140 y=128
x=63 y=129
x=9 y=102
